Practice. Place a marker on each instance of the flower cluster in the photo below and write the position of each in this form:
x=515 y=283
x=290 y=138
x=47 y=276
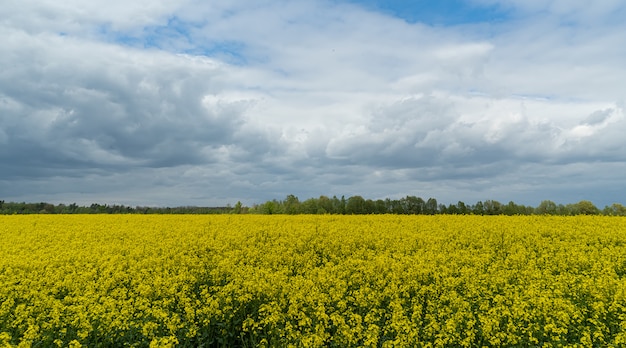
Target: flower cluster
x=311 y=281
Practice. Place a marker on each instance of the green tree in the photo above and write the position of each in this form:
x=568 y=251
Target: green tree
x=355 y=205
x=462 y=208
x=395 y=206
x=238 y=209
x=309 y=206
x=381 y=207
x=615 y=209
x=452 y=209
x=510 y=209
x=492 y=207
x=546 y=207
x=414 y=205
x=270 y=207
x=587 y=208
x=478 y=208
x=431 y=206
x=291 y=205
x=325 y=205
x=339 y=206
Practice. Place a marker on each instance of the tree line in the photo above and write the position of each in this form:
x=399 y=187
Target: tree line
x=417 y=205
x=95 y=208
x=330 y=205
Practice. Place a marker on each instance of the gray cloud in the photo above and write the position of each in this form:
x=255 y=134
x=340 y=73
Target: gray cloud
x=430 y=131
x=113 y=108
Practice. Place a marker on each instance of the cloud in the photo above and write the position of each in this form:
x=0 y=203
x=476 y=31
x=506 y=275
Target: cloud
x=194 y=102
x=74 y=17
x=117 y=107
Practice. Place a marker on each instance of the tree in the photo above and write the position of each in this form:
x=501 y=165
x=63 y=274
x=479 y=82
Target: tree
x=478 y=208
x=415 y=205
x=571 y=209
x=309 y=206
x=291 y=205
x=381 y=207
x=452 y=209
x=339 y=206
x=395 y=206
x=270 y=207
x=510 y=209
x=546 y=207
x=355 y=205
x=238 y=209
x=462 y=208
x=431 y=206
x=587 y=208
x=615 y=209
x=369 y=206
x=325 y=205
x=492 y=207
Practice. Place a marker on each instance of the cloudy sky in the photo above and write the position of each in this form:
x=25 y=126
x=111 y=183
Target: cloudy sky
x=190 y=102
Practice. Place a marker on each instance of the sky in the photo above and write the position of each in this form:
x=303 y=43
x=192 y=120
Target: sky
x=206 y=103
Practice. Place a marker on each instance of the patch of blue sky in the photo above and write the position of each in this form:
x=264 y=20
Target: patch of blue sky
x=437 y=12
x=106 y=33
x=177 y=36
x=166 y=37
x=231 y=52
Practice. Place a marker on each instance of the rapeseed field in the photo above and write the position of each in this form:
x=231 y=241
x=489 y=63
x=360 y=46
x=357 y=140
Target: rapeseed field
x=312 y=281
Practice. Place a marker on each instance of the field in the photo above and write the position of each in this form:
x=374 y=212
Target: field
x=309 y=281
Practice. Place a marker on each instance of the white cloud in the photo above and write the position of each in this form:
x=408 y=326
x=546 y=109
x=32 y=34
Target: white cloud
x=84 y=18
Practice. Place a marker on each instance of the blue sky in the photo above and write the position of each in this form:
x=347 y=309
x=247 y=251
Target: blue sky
x=210 y=103
x=438 y=13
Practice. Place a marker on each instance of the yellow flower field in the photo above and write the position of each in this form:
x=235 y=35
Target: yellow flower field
x=311 y=281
